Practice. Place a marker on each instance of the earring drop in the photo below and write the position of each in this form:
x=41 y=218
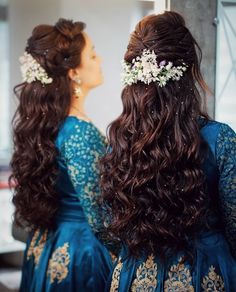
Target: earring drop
x=77 y=92
x=77 y=80
x=77 y=89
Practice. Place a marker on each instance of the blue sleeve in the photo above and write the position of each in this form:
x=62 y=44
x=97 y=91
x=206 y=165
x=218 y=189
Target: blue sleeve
x=82 y=151
x=226 y=160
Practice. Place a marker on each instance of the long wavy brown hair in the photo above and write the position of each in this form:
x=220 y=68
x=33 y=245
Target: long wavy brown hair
x=152 y=183
x=41 y=110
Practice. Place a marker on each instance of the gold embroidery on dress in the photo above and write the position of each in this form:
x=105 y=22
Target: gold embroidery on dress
x=179 y=279
x=74 y=172
x=146 y=276
x=35 y=249
x=32 y=244
x=213 y=282
x=116 y=277
x=81 y=153
x=58 y=264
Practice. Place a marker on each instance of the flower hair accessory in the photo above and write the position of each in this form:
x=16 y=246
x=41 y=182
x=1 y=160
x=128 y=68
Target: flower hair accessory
x=147 y=70
x=31 y=70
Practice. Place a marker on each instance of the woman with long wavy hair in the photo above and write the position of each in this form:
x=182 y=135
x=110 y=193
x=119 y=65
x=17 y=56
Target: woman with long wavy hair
x=54 y=165
x=168 y=181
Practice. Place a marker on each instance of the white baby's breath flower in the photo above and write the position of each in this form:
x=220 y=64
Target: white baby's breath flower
x=169 y=65
x=145 y=69
x=32 y=71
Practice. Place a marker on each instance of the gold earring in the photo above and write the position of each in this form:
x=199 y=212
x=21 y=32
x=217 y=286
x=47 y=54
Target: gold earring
x=77 y=92
x=77 y=89
x=77 y=80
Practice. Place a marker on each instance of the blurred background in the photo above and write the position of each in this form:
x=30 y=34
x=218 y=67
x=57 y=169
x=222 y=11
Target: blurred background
x=109 y=23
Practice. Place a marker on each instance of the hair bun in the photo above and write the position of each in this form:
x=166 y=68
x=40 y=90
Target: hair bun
x=68 y=28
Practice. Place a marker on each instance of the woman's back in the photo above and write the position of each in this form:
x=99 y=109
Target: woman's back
x=213 y=267
x=168 y=183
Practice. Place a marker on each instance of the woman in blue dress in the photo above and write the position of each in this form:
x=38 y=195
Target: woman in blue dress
x=169 y=180
x=54 y=165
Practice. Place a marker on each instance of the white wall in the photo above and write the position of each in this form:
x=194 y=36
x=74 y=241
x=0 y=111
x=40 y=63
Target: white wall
x=108 y=24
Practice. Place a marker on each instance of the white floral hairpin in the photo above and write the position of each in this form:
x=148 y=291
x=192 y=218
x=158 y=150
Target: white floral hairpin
x=31 y=70
x=147 y=70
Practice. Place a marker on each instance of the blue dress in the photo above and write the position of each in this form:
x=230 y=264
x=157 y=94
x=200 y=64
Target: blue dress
x=71 y=258
x=214 y=265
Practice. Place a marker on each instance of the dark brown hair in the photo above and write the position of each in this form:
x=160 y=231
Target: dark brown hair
x=41 y=110
x=153 y=186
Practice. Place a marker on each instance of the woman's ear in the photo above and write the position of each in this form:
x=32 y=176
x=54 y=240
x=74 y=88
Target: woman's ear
x=73 y=74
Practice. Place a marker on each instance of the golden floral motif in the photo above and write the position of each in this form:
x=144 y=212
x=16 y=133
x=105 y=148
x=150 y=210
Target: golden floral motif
x=32 y=244
x=74 y=172
x=179 y=279
x=146 y=276
x=213 y=282
x=58 y=264
x=37 y=245
x=116 y=277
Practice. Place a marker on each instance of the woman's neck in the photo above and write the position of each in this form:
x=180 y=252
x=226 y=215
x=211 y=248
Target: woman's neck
x=77 y=108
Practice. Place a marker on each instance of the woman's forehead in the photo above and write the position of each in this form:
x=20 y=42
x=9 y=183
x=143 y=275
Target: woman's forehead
x=88 y=42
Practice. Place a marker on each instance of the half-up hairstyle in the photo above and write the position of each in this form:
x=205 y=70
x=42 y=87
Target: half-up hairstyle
x=42 y=108
x=153 y=186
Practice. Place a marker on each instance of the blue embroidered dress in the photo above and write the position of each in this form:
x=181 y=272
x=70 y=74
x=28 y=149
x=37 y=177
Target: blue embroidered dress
x=71 y=258
x=214 y=267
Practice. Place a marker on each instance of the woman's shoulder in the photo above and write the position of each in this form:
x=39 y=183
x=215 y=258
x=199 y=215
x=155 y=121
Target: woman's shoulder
x=73 y=124
x=79 y=130
x=69 y=127
x=219 y=136
x=215 y=129
x=211 y=125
